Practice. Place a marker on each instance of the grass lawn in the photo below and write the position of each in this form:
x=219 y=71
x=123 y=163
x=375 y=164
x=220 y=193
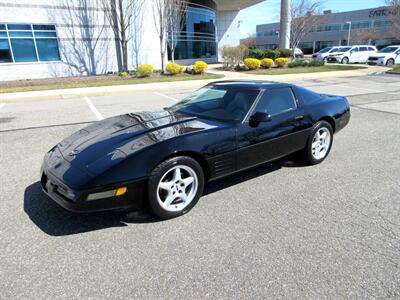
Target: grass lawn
x=93 y=81
x=300 y=70
x=396 y=69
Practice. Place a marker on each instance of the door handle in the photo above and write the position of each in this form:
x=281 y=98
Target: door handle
x=298 y=118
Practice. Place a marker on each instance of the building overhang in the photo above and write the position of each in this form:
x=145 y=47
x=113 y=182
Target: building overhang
x=235 y=4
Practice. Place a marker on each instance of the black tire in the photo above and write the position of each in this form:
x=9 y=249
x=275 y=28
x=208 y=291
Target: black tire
x=345 y=61
x=158 y=173
x=390 y=63
x=308 y=151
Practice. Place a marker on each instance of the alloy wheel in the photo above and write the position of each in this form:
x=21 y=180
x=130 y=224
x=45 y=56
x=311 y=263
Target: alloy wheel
x=177 y=188
x=321 y=143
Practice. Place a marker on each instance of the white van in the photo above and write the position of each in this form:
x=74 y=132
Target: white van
x=353 y=54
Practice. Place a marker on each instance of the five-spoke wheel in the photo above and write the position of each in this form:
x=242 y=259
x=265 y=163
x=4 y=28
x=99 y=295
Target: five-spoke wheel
x=175 y=186
x=319 y=143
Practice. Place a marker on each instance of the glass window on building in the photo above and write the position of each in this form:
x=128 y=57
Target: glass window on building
x=5 y=52
x=197 y=39
x=28 y=43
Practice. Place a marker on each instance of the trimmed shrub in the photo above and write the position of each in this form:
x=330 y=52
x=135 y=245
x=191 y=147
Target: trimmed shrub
x=252 y=63
x=280 y=62
x=306 y=63
x=267 y=63
x=256 y=53
x=123 y=74
x=200 y=67
x=174 y=68
x=145 y=70
x=287 y=53
x=316 y=63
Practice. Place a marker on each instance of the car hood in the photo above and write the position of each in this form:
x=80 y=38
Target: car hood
x=381 y=55
x=115 y=137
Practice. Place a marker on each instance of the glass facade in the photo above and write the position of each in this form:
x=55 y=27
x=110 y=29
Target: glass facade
x=197 y=39
x=28 y=43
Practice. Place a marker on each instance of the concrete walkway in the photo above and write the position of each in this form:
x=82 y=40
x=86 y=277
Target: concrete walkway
x=159 y=86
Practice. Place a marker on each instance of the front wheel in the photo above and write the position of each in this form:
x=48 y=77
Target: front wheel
x=175 y=186
x=319 y=143
x=345 y=60
x=390 y=63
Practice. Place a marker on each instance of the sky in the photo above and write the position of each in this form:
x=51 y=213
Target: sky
x=269 y=11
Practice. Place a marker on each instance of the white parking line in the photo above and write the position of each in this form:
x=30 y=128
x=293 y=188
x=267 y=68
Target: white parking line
x=2 y=105
x=93 y=109
x=165 y=96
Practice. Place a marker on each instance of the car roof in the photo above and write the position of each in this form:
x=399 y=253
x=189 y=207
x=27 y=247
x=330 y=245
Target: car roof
x=257 y=84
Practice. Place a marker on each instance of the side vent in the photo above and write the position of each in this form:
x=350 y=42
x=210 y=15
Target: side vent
x=223 y=166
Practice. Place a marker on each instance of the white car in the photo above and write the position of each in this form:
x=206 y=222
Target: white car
x=323 y=53
x=353 y=54
x=386 y=57
x=298 y=53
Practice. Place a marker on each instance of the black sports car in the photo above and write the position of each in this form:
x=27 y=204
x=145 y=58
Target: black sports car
x=164 y=158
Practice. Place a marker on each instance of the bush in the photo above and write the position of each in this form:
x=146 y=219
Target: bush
x=256 y=53
x=306 y=63
x=174 y=68
x=123 y=74
x=287 y=53
x=233 y=56
x=252 y=63
x=316 y=63
x=200 y=67
x=145 y=70
x=261 y=54
x=280 y=62
x=267 y=63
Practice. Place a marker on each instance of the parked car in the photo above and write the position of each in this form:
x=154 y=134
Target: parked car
x=386 y=57
x=353 y=54
x=323 y=53
x=163 y=159
x=298 y=53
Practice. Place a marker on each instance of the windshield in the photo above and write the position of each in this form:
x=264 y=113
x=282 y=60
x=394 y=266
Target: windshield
x=218 y=102
x=388 y=50
x=325 y=50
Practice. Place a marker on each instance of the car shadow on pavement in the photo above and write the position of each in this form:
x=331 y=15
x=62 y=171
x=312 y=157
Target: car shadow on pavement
x=56 y=221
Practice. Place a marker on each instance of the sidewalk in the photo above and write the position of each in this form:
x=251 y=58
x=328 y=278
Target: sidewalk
x=193 y=84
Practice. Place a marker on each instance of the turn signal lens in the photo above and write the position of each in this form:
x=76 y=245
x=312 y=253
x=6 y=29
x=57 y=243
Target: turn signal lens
x=121 y=191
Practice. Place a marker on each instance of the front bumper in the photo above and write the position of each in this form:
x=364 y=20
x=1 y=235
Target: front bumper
x=333 y=59
x=62 y=195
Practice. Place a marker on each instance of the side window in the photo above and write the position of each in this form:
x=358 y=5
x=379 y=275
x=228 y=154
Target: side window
x=355 y=49
x=362 y=49
x=371 y=49
x=277 y=101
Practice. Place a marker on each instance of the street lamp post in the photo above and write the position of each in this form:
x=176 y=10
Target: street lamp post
x=348 y=36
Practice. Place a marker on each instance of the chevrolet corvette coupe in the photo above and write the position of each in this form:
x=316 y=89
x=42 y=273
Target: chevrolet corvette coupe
x=161 y=160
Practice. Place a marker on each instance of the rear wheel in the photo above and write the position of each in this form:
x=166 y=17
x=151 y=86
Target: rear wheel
x=390 y=63
x=319 y=143
x=345 y=60
x=175 y=186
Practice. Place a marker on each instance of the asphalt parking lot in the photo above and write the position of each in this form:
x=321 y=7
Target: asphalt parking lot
x=282 y=230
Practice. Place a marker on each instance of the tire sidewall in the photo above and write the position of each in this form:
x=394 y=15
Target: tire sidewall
x=309 y=157
x=156 y=176
x=345 y=60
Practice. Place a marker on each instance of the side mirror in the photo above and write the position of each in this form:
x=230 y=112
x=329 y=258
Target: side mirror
x=259 y=117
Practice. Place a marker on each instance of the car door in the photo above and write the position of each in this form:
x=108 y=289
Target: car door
x=275 y=138
x=354 y=55
x=363 y=55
